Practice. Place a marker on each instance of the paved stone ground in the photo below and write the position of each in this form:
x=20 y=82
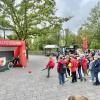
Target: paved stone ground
x=18 y=84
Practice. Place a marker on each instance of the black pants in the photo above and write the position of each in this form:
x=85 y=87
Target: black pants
x=74 y=78
x=68 y=71
x=65 y=72
x=48 y=72
x=97 y=80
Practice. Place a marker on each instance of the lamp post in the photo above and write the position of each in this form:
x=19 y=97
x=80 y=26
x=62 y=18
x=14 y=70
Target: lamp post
x=58 y=38
x=3 y=25
x=4 y=33
x=3 y=29
x=63 y=37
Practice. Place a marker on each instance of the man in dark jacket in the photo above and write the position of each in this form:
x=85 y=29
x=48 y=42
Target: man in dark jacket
x=96 y=68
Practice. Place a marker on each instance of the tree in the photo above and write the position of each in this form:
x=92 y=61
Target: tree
x=94 y=21
x=12 y=37
x=70 y=38
x=92 y=27
x=30 y=17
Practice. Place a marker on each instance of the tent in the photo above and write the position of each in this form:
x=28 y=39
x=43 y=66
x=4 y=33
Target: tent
x=49 y=49
x=10 y=49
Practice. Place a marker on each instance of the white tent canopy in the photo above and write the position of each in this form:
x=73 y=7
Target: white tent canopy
x=50 y=46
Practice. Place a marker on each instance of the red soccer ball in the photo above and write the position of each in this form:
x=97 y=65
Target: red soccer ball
x=30 y=71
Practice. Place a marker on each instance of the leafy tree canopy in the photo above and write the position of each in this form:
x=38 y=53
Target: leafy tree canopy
x=30 y=17
x=92 y=27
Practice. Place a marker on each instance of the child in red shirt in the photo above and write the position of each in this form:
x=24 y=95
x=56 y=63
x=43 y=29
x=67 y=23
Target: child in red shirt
x=50 y=65
x=73 y=69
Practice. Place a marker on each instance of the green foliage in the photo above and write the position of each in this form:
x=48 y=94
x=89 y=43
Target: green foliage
x=92 y=28
x=30 y=17
x=70 y=38
x=12 y=37
x=50 y=38
x=0 y=37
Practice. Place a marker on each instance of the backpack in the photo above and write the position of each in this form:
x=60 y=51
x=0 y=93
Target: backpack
x=62 y=68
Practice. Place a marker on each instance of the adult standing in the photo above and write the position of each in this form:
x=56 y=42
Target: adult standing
x=57 y=55
x=64 y=63
x=91 y=68
x=97 y=68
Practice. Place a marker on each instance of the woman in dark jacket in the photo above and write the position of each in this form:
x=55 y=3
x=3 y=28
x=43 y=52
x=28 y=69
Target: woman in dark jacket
x=96 y=69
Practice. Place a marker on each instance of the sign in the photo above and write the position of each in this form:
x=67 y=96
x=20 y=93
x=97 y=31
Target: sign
x=4 y=43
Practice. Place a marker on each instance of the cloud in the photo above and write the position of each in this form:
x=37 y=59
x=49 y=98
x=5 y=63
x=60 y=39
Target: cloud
x=79 y=9
x=84 y=2
x=67 y=7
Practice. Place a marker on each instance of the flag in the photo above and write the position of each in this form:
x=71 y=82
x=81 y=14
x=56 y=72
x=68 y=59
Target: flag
x=85 y=47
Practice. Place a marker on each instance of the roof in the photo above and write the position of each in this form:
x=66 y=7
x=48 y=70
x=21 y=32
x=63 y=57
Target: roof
x=50 y=46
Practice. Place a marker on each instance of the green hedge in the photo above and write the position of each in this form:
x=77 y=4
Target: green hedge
x=36 y=52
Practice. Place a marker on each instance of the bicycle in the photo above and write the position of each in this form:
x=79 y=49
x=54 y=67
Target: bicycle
x=10 y=65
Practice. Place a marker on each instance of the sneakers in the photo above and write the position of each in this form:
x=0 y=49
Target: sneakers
x=48 y=76
x=95 y=84
x=81 y=80
x=66 y=79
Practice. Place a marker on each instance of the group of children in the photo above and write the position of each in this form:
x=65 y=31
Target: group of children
x=72 y=65
x=75 y=67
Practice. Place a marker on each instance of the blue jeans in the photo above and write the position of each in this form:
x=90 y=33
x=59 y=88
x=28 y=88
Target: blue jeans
x=92 y=75
x=80 y=73
x=61 y=78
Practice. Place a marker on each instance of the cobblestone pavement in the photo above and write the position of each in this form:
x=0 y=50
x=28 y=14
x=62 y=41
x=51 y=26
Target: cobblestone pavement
x=18 y=84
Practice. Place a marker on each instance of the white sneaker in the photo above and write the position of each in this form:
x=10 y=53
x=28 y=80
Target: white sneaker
x=66 y=79
x=90 y=80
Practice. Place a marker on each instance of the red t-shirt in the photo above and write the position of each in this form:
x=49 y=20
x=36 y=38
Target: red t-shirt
x=84 y=63
x=74 y=65
x=50 y=64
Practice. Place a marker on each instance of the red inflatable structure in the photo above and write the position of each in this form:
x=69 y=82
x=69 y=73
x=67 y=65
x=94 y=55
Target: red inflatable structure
x=19 y=50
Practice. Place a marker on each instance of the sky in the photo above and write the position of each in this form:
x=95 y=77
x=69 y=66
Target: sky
x=79 y=9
